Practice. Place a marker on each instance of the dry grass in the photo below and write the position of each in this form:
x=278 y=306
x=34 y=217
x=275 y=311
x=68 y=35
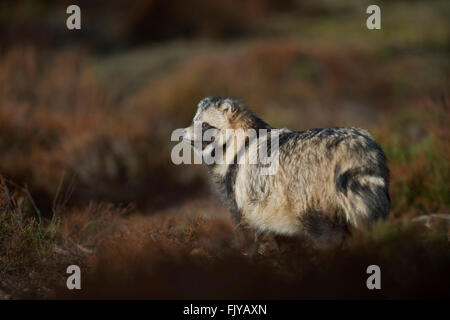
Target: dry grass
x=184 y=253
x=195 y=256
x=62 y=116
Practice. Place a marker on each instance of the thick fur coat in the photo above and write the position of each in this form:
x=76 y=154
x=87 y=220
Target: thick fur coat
x=327 y=179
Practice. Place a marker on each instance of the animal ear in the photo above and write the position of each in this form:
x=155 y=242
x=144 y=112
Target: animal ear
x=228 y=106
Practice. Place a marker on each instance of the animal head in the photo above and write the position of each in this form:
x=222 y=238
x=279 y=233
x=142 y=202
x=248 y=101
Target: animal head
x=213 y=117
x=220 y=114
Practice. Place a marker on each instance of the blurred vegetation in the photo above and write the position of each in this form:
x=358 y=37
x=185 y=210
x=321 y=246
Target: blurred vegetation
x=86 y=117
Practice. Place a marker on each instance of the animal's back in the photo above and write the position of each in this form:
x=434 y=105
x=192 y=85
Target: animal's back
x=327 y=178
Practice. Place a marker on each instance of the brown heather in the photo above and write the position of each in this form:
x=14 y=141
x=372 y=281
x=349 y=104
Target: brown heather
x=84 y=141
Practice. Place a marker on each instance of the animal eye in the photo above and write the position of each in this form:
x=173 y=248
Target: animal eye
x=205 y=125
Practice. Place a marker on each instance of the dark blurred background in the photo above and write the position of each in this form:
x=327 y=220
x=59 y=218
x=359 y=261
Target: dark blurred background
x=121 y=24
x=96 y=106
x=85 y=123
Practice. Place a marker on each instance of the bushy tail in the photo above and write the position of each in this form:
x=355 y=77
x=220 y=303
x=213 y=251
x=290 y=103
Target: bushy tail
x=364 y=196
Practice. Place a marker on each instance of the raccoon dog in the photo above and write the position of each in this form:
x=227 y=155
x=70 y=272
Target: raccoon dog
x=326 y=179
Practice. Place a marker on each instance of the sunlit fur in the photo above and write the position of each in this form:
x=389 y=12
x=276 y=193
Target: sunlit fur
x=327 y=179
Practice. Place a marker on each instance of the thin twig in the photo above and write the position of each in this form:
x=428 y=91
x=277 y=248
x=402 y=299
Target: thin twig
x=27 y=193
x=61 y=198
x=55 y=207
